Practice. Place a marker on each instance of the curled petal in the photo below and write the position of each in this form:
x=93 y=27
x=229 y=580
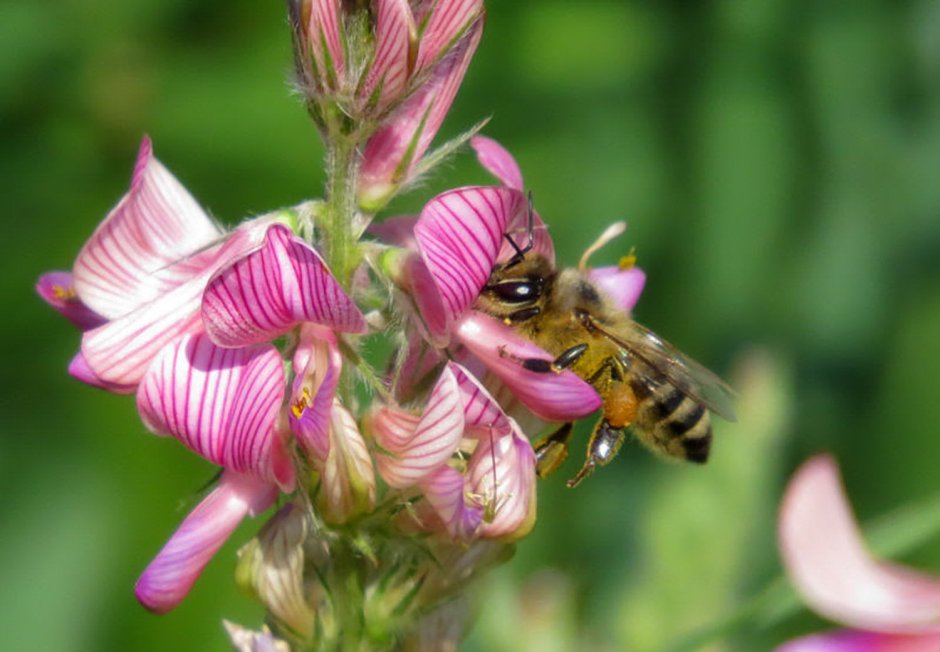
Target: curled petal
x=395 y=31
x=448 y=22
x=79 y=370
x=169 y=577
x=623 y=286
x=826 y=560
x=58 y=290
x=502 y=470
x=348 y=481
x=151 y=242
x=480 y=408
x=497 y=161
x=551 y=396
x=270 y=290
x=857 y=641
x=120 y=351
x=413 y=456
x=445 y=491
x=221 y=403
x=317 y=363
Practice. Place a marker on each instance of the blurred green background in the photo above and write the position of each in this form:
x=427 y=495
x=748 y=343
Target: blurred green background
x=777 y=162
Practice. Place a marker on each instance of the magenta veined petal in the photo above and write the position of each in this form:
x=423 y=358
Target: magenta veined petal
x=120 y=351
x=480 y=408
x=460 y=234
x=623 y=286
x=502 y=470
x=172 y=573
x=827 y=562
x=551 y=396
x=152 y=241
x=58 y=290
x=448 y=22
x=412 y=457
x=325 y=40
x=317 y=363
x=267 y=292
x=498 y=161
x=445 y=491
x=395 y=34
x=859 y=641
x=348 y=479
x=223 y=404
x=79 y=370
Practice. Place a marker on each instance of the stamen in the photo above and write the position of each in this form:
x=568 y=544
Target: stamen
x=63 y=293
x=611 y=232
x=301 y=404
x=628 y=261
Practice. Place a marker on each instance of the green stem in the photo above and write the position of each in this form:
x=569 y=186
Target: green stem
x=339 y=246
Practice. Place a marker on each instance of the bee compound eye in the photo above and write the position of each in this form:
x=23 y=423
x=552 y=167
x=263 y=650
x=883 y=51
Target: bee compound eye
x=517 y=291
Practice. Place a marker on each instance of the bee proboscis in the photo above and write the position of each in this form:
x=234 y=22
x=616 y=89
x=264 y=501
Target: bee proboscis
x=646 y=384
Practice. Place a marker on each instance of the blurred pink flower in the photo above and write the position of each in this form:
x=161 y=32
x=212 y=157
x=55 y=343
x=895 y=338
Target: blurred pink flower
x=890 y=608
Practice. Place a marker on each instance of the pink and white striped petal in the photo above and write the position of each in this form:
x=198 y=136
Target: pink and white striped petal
x=448 y=22
x=551 y=396
x=858 y=641
x=460 y=234
x=324 y=37
x=480 y=408
x=623 y=286
x=395 y=36
x=221 y=403
x=394 y=150
x=120 y=351
x=79 y=370
x=498 y=161
x=317 y=364
x=267 y=292
x=412 y=457
x=172 y=573
x=826 y=560
x=502 y=471
x=154 y=240
x=58 y=290
x=347 y=477
x=445 y=491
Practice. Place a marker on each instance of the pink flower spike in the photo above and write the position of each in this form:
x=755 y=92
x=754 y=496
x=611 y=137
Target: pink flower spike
x=826 y=560
x=445 y=491
x=58 y=290
x=623 y=286
x=348 y=480
x=502 y=471
x=395 y=34
x=856 y=641
x=317 y=363
x=497 y=161
x=448 y=22
x=413 y=456
x=150 y=243
x=551 y=396
x=270 y=290
x=172 y=573
x=221 y=403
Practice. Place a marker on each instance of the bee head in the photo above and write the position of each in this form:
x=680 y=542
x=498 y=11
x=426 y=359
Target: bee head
x=517 y=289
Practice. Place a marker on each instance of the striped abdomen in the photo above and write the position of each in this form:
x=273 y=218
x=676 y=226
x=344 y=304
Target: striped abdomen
x=671 y=422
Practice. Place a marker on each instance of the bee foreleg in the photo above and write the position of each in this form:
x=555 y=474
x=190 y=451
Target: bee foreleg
x=603 y=447
x=552 y=451
x=559 y=364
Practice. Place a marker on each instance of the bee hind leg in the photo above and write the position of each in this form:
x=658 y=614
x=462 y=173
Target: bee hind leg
x=552 y=451
x=603 y=447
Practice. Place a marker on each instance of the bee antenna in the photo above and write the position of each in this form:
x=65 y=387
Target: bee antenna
x=530 y=237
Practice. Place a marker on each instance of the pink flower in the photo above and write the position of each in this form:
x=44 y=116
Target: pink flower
x=363 y=59
x=493 y=494
x=889 y=608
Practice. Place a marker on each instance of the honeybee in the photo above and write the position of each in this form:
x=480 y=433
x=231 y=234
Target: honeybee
x=645 y=383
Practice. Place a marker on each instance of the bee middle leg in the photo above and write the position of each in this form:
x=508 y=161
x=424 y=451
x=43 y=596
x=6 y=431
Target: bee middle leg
x=559 y=364
x=552 y=451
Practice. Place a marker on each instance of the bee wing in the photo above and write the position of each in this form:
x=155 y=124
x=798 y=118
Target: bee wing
x=680 y=370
